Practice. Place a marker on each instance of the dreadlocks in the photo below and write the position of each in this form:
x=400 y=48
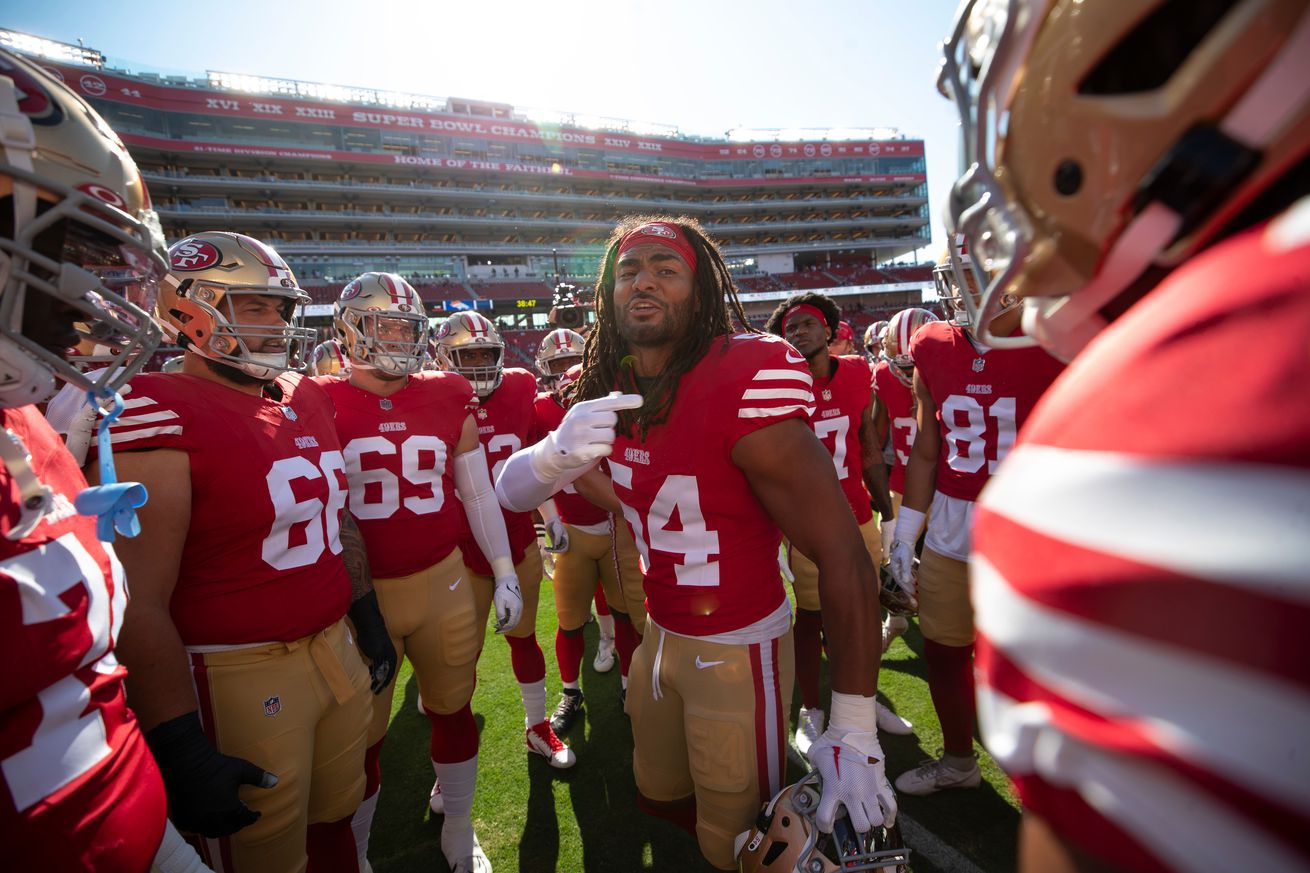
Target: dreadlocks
x=607 y=362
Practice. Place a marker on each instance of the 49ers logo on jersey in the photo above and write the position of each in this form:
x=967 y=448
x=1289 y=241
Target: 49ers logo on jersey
x=193 y=254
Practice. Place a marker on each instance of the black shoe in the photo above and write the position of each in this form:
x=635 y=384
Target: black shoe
x=566 y=713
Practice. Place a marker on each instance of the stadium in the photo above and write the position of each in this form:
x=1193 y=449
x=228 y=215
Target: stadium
x=485 y=206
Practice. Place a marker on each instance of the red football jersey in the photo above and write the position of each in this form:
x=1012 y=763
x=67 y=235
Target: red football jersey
x=1141 y=581
x=573 y=507
x=708 y=547
x=898 y=399
x=982 y=401
x=399 y=453
x=840 y=402
x=262 y=560
x=505 y=425
x=81 y=789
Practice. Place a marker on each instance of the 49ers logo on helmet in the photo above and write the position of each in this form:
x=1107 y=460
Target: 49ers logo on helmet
x=193 y=254
x=351 y=291
x=103 y=194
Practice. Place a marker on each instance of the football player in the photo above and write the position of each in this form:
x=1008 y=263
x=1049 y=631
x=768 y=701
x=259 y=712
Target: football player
x=873 y=341
x=79 y=243
x=1140 y=560
x=589 y=550
x=712 y=449
x=841 y=419
x=843 y=340
x=560 y=350
x=413 y=461
x=970 y=401
x=893 y=418
x=470 y=345
x=242 y=669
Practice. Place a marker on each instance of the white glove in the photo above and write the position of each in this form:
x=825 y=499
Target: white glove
x=585 y=435
x=558 y=534
x=851 y=764
x=902 y=562
x=508 y=603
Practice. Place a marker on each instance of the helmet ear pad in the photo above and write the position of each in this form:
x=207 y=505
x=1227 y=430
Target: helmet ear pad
x=196 y=324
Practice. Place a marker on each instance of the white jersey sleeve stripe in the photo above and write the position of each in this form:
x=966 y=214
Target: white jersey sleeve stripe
x=145 y=418
x=138 y=402
x=1164 y=513
x=777 y=394
x=1160 y=687
x=1187 y=829
x=762 y=412
x=126 y=436
x=793 y=375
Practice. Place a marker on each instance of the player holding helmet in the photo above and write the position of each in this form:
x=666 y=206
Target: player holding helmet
x=971 y=399
x=470 y=345
x=707 y=469
x=413 y=460
x=842 y=421
x=242 y=666
x=1147 y=203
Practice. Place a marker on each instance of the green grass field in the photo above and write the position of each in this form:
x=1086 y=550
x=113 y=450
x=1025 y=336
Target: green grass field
x=533 y=819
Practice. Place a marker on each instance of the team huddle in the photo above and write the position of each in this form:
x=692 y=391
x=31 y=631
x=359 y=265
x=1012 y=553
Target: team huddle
x=293 y=520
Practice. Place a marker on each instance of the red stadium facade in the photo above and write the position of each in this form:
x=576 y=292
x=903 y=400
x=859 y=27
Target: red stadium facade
x=479 y=205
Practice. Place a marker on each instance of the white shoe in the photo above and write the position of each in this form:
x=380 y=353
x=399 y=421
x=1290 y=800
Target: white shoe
x=809 y=727
x=418 y=700
x=542 y=741
x=891 y=723
x=895 y=626
x=604 y=656
x=437 y=800
x=460 y=846
x=934 y=775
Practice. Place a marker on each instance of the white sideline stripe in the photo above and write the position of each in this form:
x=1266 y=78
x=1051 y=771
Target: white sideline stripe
x=794 y=375
x=145 y=418
x=777 y=394
x=1184 y=826
x=761 y=412
x=1165 y=514
x=772 y=715
x=1189 y=702
x=129 y=435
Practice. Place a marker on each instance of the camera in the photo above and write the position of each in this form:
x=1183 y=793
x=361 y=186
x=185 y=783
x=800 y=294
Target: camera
x=568 y=308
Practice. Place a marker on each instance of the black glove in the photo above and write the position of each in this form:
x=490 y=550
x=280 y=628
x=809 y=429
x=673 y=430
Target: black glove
x=374 y=641
x=201 y=782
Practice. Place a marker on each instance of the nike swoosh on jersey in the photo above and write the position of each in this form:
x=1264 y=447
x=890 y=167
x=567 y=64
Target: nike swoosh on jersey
x=701 y=665
x=455 y=584
x=795 y=359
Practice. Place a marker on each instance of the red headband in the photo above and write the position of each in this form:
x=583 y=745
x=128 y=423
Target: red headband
x=844 y=332
x=803 y=308
x=660 y=233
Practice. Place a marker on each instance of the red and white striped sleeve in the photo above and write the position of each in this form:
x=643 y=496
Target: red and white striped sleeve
x=150 y=419
x=773 y=384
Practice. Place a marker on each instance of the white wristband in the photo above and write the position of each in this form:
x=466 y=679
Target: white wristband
x=853 y=713
x=909 y=524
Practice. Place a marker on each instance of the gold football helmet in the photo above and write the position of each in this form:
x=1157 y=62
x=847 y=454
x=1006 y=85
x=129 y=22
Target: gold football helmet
x=786 y=839
x=210 y=275
x=382 y=324
x=896 y=341
x=329 y=360
x=1104 y=143
x=81 y=253
x=470 y=345
x=560 y=349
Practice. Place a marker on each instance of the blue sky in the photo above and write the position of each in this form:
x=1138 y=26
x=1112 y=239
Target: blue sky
x=702 y=65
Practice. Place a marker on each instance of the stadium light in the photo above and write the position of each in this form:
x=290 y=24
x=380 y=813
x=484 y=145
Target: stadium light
x=26 y=43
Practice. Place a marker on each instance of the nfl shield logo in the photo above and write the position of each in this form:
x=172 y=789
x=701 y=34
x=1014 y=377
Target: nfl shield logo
x=289 y=413
x=827 y=395
x=978 y=364
x=272 y=706
x=385 y=404
x=482 y=413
